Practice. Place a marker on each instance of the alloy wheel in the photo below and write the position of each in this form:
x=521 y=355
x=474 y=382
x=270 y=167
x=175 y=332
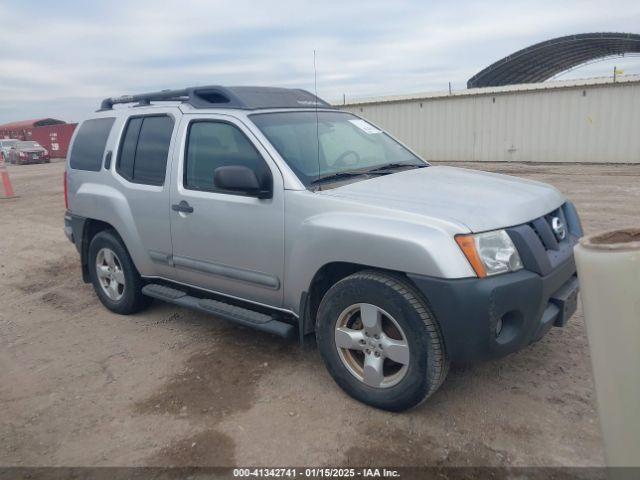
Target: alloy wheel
x=110 y=274
x=372 y=345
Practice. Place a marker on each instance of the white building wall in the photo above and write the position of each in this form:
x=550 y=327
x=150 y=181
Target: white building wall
x=571 y=122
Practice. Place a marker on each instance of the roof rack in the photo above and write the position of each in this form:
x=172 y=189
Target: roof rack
x=214 y=96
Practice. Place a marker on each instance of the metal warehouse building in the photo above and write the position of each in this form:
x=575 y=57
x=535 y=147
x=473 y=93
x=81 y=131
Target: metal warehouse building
x=591 y=120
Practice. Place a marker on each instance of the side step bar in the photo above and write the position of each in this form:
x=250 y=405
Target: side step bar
x=232 y=313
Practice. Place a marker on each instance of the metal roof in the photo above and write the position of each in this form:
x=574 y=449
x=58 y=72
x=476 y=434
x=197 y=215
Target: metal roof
x=215 y=96
x=543 y=60
x=38 y=122
x=553 y=85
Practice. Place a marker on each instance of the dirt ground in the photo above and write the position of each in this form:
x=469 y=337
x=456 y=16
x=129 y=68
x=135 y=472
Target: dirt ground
x=81 y=386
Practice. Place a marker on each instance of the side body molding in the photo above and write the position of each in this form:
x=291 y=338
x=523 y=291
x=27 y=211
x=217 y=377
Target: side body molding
x=226 y=271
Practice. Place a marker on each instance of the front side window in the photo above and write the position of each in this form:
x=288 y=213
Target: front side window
x=213 y=144
x=88 y=147
x=144 y=149
x=330 y=143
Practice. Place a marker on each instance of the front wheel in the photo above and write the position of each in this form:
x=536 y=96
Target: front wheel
x=380 y=342
x=114 y=276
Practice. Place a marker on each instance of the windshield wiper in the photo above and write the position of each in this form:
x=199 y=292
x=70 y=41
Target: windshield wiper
x=392 y=166
x=383 y=169
x=337 y=176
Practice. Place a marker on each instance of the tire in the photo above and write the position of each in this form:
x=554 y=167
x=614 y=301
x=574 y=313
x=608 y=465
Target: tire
x=406 y=320
x=125 y=295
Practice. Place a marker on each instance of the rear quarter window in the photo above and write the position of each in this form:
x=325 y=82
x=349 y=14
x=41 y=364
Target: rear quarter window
x=88 y=147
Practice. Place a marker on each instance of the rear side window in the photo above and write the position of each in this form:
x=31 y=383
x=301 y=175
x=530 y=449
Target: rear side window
x=88 y=146
x=144 y=149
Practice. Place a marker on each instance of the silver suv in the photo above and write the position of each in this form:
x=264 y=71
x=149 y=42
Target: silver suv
x=271 y=209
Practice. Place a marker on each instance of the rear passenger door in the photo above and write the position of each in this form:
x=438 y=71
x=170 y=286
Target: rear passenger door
x=230 y=243
x=141 y=168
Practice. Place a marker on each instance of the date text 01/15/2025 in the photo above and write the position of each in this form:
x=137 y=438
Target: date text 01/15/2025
x=316 y=472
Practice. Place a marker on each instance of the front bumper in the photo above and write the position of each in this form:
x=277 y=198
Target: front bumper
x=528 y=305
x=29 y=159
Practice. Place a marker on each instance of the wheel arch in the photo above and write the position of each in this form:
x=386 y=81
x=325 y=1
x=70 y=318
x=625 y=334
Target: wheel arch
x=324 y=278
x=90 y=228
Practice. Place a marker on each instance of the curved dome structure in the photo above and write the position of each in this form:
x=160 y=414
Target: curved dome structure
x=543 y=60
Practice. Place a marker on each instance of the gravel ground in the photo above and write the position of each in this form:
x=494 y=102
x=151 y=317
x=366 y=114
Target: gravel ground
x=80 y=386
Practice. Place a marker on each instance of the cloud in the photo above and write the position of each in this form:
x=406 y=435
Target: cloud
x=76 y=53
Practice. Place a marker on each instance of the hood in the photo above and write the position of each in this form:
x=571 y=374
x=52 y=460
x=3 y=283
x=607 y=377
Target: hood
x=480 y=200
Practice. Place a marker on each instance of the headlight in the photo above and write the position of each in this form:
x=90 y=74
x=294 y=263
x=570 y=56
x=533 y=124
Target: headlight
x=490 y=253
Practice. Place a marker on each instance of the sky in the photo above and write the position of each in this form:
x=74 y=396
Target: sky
x=58 y=59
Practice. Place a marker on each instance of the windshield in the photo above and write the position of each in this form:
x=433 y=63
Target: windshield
x=8 y=143
x=27 y=145
x=339 y=142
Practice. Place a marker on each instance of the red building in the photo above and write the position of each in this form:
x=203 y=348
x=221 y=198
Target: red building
x=52 y=134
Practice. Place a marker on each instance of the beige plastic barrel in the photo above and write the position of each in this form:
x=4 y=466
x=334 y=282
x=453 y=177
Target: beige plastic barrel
x=609 y=271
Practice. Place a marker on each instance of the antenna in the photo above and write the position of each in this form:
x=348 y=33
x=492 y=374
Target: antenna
x=315 y=87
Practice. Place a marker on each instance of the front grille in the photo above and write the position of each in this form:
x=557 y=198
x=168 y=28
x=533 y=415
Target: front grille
x=541 y=249
x=542 y=226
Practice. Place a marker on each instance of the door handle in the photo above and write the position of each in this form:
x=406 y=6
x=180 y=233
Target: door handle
x=107 y=160
x=183 y=207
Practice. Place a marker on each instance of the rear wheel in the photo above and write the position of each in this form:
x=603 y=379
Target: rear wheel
x=114 y=276
x=380 y=342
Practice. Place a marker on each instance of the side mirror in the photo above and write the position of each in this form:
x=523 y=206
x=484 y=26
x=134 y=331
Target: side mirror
x=237 y=178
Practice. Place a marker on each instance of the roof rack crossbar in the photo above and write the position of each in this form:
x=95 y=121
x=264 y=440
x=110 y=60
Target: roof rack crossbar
x=230 y=97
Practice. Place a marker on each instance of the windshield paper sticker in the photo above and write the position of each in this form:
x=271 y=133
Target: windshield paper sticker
x=364 y=126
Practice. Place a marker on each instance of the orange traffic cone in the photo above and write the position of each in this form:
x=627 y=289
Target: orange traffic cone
x=6 y=182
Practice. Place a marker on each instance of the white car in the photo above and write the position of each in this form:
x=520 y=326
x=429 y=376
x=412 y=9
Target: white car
x=5 y=146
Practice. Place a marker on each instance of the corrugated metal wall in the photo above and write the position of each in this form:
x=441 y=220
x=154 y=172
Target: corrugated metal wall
x=586 y=123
